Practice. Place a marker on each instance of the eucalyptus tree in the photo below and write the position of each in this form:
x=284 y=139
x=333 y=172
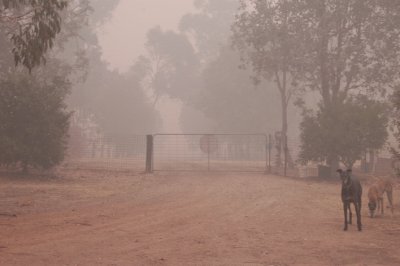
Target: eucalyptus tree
x=170 y=63
x=174 y=60
x=268 y=36
x=34 y=115
x=114 y=102
x=353 y=48
x=31 y=26
x=209 y=28
x=337 y=48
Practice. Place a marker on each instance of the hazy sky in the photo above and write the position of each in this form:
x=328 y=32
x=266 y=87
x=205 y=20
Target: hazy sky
x=122 y=39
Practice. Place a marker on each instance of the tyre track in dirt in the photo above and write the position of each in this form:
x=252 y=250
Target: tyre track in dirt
x=201 y=220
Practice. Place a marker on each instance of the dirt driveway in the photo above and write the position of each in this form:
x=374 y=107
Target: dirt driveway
x=104 y=218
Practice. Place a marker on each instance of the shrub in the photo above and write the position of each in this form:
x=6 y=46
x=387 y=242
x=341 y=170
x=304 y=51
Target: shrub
x=33 y=120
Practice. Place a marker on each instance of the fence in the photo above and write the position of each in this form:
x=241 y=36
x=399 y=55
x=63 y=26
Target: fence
x=210 y=152
x=197 y=152
x=107 y=153
x=183 y=152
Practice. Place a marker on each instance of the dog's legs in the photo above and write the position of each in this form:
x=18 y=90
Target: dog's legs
x=357 y=206
x=350 y=215
x=378 y=207
x=345 y=207
x=389 y=194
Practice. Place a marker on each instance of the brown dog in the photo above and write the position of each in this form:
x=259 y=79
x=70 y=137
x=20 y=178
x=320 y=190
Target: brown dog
x=375 y=196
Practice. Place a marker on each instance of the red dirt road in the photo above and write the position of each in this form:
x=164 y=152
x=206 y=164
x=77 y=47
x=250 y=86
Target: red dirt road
x=103 y=218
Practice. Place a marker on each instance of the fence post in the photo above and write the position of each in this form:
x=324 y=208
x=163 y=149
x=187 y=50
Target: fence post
x=285 y=154
x=269 y=148
x=149 y=153
x=208 y=152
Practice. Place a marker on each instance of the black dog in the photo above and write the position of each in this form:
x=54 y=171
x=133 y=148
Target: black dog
x=351 y=193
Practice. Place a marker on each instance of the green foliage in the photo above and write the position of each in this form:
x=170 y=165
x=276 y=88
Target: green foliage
x=33 y=120
x=352 y=46
x=346 y=131
x=270 y=40
x=32 y=27
x=336 y=48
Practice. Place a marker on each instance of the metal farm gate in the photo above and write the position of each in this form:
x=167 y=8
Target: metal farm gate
x=208 y=152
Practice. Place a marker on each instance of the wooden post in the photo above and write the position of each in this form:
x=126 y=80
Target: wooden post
x=269 y=152
x=285 y=147
x=208 y=152
x=149 y=153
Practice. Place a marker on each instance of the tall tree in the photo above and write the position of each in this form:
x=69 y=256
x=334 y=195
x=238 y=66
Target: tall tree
x=209 y=27
x=170 y=64
x=338 y=48
x=353 y=48
x=43 y=93
x=113 y=101
x=267 y=35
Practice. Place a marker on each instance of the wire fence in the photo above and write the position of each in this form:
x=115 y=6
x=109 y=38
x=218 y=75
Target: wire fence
x=201 y=152
x=210 y=152
x=107 y=153
x=184 y=152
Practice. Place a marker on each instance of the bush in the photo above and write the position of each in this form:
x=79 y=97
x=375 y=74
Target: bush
x=345 y=131
x=33 y=120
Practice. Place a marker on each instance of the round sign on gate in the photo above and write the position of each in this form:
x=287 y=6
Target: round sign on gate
x=208 y=143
